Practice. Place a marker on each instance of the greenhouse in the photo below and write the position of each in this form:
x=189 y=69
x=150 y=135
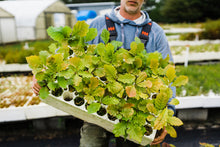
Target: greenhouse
x=28 y=20
x=7 y=27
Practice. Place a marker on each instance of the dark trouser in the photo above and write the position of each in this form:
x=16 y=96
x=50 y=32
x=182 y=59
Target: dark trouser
x=95 y=136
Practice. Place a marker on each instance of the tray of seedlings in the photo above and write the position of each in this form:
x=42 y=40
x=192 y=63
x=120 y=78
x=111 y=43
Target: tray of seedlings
x=124 y=91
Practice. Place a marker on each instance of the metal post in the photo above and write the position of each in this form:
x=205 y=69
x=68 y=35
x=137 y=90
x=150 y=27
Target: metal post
x=186 y=56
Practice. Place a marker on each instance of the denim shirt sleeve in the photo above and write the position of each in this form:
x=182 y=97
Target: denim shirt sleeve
x=163 y=46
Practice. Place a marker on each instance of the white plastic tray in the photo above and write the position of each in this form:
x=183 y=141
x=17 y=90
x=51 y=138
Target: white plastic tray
x=81 y=113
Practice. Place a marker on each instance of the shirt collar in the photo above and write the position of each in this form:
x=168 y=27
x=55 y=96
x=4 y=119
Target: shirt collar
x=139 y=20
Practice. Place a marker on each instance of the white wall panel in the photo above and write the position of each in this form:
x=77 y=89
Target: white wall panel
x=7 y=30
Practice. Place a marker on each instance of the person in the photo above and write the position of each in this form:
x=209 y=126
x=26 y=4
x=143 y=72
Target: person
x=128 y=22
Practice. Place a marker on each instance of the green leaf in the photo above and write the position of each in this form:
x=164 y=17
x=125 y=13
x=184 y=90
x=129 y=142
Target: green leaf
x=78 y=50
x=151 y=118
x=135 y=132
x=171 y=73
x=130 y=91
x=116 y=44
x=127 y=112
x=66 y=31
x=140 y=48
x=181 y=80
x=143 y=95
x=62 y=82
x=113 y=110
x=56 y=33
x=105 y=36
x=95 y=60
x=121 y=93
x=154 y=64
x=44 y=92
x=55 y=62
x=43 y=56
x=89 y=99
x=91 y=34
x=129 y=59
x=164 y=62
x=101 y=49
x=174 y=121
x=120 y=129
x=143 y=105
x=133 y=47
x=141 y=77
x=34 y=63
x=99 y=72
x=126 y=78
x=94 y=82
x=77 y=80
x=138 y=62
x=163 y=97
x=139 y=120
x=53 y=48
x=76 y=62
x=94 y=107
x=161 y=120
x=85 y=74
x=66 y=73
x=99 y=92
x=155 y=55
x=174 y=102
x=109 y=49
x=110 y=72
x=114 y=87
x=170 y=112
x=40 y=76
x=52 y=85
x=91 y=49
x=151 y=108
x=171 y=131
x=81 y=28
x=147 y=84
x=137 y=40
x=110 y=100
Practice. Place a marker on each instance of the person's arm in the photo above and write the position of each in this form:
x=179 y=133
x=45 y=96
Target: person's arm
x=35 y=86
x=160 y=138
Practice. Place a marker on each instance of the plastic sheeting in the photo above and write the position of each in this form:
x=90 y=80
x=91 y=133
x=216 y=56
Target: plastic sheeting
x=26 y=12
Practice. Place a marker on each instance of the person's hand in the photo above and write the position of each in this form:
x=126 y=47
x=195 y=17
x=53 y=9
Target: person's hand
x=35 y=86
x=160 y=138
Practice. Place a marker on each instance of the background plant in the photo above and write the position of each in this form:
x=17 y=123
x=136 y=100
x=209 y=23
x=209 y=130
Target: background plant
x=16 y=53
x=203 y=79
x=134 y=85
x=211 y=30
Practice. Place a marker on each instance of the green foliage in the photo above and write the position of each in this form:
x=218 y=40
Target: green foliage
x=15 y=53
x=94 y=107
x=123 y=80
x=211 y=30
x=196 y=49
x=187 y=36
x=203 y=79
x=188 y=10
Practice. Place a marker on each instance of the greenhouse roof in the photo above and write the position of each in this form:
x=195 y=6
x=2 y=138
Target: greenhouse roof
x=26 y=11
